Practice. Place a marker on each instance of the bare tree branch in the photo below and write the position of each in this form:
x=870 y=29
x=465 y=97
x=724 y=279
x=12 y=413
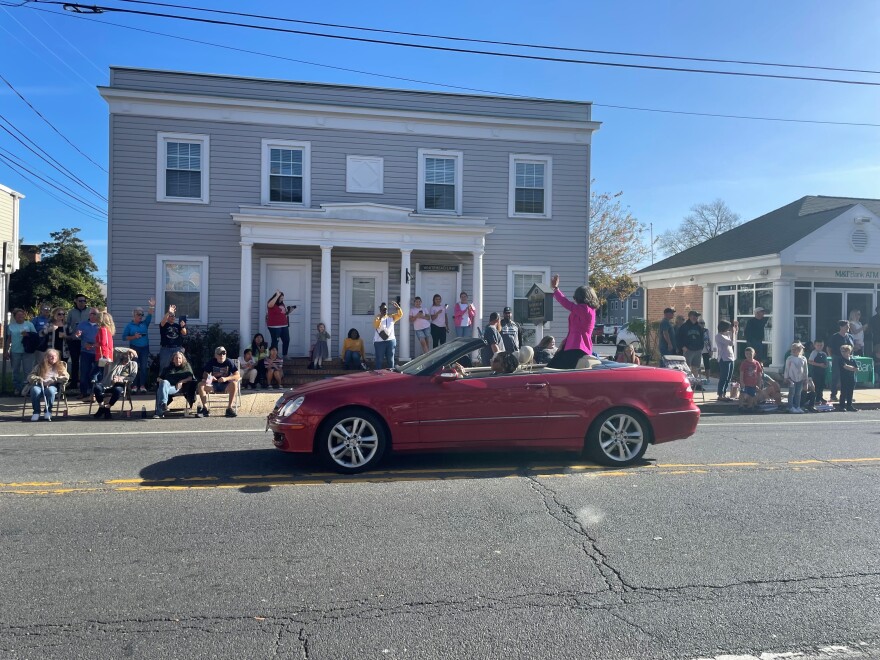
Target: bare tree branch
x=705 y=221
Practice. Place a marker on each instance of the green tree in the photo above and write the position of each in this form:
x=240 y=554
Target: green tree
x=617 y=246
x=66 y=268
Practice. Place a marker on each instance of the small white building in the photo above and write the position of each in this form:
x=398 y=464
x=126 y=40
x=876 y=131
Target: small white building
x=10 y=201
x=808 y=264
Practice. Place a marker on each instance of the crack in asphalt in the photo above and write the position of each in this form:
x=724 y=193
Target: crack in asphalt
x=562 y=513
x=304 y=641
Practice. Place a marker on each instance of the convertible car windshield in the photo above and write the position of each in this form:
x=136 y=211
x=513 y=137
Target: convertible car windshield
x=443 y=355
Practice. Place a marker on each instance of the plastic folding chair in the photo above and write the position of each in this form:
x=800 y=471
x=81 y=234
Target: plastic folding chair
x=125 y=398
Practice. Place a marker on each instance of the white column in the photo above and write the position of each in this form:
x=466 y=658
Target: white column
x=326 y=299
x=477 y=294
x=709 y=310
x=405 y=294
x=246 y=294
x=782 y=320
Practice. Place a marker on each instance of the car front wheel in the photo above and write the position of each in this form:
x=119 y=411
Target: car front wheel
x=618 y=438
x=352 y=441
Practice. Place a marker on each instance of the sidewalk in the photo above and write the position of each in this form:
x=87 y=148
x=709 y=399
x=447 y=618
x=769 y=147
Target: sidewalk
x=260 y=403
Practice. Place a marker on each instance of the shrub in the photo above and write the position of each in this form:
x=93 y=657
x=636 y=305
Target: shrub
x=201 y=342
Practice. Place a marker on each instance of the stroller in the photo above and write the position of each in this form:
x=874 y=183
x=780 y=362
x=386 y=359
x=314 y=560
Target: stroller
x=678 y=363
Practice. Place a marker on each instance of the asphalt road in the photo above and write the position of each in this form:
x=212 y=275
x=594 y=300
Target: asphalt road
x=196 y=539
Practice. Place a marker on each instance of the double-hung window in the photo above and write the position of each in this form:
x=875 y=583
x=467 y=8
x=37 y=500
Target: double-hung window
x=520 y=280
x=286 y=172
x=183 y=281
x=440 y=185
x=530 y=187
x=182 y=168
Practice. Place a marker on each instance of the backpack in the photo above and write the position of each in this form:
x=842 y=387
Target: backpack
x=30 y=342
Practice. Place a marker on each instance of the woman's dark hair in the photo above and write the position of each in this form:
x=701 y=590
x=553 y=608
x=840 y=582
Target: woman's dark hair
x=279 y=300
x=546 y=341
x=509 y=361
x=724 y=326
x=354 y=332
x=585 y=295
x=255 y=345
x=621 y=344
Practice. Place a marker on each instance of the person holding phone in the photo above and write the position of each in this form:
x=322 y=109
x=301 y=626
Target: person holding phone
x=171 y=335
x=278 y=321
x=439 y=321
x=384 y=341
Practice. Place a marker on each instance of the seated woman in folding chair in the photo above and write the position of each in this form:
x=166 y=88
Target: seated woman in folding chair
x=47 y=379
x=221 y=375
x=176 y=379
x=117 y=380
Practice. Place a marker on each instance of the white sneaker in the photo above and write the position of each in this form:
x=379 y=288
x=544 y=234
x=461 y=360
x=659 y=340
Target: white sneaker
x=35 y=417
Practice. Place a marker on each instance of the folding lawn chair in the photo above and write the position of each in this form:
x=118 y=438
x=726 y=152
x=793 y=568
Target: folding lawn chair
x=125 y=398
x=210 y=394
x=678 y=363
x=60 y=400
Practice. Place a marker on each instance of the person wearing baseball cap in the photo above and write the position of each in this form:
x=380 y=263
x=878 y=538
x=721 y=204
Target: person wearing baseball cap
x=511 y=332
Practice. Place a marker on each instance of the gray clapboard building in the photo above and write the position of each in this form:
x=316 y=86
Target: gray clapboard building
x=223 y=189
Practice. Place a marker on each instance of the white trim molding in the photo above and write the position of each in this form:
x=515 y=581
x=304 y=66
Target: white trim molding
x=203 y=289
x=312 y=115
x=547 y=162
x=266 y=150
x=458 y=157
x=162 y=140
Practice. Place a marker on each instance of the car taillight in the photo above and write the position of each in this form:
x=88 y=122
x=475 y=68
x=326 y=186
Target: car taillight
x=685 y=391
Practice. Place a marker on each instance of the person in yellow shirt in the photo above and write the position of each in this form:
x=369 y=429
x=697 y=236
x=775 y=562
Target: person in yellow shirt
x=384 y=341
x=352 y=352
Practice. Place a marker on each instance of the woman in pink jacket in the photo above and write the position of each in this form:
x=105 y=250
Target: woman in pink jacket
x=464 y=315
x=581 y=320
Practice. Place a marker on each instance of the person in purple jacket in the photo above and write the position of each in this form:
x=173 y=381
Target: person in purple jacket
x=581 y=320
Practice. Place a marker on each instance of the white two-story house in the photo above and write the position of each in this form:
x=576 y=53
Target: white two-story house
x=223 y=189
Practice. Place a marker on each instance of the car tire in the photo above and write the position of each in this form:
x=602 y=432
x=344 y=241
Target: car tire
x=618 y=437
x=352 y=441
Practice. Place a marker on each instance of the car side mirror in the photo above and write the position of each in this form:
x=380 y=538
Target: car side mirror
x=445 y=377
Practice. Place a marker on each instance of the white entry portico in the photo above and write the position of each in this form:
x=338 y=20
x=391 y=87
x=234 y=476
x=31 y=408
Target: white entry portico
x=359 y=226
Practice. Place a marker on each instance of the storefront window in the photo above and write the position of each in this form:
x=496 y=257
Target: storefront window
x=764 y=298
x=802 y=301
x=802 y=328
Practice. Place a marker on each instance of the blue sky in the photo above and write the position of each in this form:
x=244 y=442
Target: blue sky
x=664 y=163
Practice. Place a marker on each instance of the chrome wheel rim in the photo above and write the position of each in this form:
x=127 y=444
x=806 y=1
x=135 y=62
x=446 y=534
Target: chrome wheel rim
x=621 y=437
x=353 y=442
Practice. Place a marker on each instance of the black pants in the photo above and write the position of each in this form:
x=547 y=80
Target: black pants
x=114 y=391
x=847 y=385
x=566 y=359
x=74 y=347
x=438 y=335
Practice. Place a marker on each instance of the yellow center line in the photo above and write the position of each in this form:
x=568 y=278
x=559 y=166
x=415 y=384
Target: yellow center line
x=435 y=474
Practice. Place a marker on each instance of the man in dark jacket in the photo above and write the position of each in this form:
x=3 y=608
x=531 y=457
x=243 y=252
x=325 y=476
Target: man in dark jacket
x=755 y=334
x=835 y=341
x=690 y=338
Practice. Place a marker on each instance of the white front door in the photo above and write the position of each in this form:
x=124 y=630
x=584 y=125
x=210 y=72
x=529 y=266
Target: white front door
x=294 y=278
x=363 y=285
x=447 y=284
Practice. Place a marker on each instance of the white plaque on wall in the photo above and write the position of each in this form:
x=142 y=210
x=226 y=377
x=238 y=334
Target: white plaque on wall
x=364 y=174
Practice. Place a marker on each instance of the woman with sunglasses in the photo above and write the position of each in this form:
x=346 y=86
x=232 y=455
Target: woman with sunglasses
x=136 y=333
x=53 y=334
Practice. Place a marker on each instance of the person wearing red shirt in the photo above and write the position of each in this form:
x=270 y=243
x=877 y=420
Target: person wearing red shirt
x=278 y=321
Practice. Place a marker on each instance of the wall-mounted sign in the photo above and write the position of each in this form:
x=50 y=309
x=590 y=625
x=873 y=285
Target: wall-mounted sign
x=540 y=305
x=441 y=268
x=857 y=274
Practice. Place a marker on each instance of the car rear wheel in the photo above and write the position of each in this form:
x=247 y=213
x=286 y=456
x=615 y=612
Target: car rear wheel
x=352 y=441
x=618 y=438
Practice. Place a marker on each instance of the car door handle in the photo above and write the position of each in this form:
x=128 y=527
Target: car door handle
x=535 y=386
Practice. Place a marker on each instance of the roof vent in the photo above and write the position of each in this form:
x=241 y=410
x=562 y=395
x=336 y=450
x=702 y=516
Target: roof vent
x=859 y=240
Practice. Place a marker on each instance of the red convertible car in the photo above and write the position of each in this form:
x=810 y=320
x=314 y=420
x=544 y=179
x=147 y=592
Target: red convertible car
x=610 y=410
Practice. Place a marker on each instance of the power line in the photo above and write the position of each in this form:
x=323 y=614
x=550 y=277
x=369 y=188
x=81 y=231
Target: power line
x=48 y=191
x=23 y=163
x=101 y=72
x=45 y=157
x=501 y=43
x=450 y=86
x=12 y=163
x=51 y=125
x=449 y=49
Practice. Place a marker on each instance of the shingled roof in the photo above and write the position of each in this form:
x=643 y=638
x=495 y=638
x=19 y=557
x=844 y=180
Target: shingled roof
x=769 y=234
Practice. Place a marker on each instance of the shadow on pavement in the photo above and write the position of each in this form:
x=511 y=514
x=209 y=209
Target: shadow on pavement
x=258 y=470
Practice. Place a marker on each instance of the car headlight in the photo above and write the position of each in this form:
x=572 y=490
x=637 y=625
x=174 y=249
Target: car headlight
x=291 y=406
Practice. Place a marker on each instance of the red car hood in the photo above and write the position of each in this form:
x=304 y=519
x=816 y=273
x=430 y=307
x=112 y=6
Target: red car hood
x=360 y=379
